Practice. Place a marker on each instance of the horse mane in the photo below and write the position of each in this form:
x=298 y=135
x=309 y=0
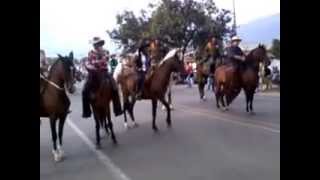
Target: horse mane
x=249 y=62
x=52 y=67
x=169 y=55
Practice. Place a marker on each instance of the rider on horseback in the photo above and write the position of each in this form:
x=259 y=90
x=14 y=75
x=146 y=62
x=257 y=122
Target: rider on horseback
x=143 y=64
x=235 y=53
x=98 y=61
x=43 y=63
x=211 y=52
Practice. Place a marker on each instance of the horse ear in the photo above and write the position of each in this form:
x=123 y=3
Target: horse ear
x=59 y=56
x=71 y=55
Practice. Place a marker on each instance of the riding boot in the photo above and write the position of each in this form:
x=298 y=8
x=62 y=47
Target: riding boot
x=140 y=86
x=117 y=109
x=86 y=111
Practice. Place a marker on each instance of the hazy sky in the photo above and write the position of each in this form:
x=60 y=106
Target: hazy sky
x=69 y=24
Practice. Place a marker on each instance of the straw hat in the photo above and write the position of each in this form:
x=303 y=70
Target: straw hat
x=235 y=38
x=97 y=41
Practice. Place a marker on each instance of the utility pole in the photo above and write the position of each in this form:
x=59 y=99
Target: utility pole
x=234 y=19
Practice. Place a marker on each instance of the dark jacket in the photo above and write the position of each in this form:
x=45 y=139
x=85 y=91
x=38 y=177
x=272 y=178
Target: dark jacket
x=234 y=51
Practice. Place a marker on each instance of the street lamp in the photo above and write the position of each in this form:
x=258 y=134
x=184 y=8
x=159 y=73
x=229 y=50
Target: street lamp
x=234 y=19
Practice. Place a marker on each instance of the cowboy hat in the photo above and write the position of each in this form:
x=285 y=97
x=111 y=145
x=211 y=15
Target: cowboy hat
x=235 y=38
x=97 y=40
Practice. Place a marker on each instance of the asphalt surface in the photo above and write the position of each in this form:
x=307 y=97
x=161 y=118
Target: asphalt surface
x=204 y=143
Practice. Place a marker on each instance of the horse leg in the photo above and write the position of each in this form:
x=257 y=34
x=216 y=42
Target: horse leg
x=125 y=108
x=251 y=101
x=169 y=98
x=222 y=101
x=131 y=106
x=217 y=100
x=113 y=137
x=201 y=87
x=154 y=114
x=97 y=121
x=62 y=120
x=166 y=104
x=53 y=120
x=247 y=99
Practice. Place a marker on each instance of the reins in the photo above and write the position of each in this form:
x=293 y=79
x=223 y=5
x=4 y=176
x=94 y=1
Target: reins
x=51 y=83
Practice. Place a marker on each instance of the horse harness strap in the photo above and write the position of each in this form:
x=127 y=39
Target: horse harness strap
x=51 y=83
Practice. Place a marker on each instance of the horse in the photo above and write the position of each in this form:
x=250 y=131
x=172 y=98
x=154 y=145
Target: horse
x=228 y=83
x=100 y=102
x=54 y=102
x=155 y=86
x=204 y=70
x=157 y=52
x=249 y=75
x=126 y=76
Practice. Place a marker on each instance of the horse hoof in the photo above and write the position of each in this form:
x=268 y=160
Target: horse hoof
x=155 y=129
x=114 y=141
x=98 y=146
x=56 y=156
x=126 y=126
x=135 y=125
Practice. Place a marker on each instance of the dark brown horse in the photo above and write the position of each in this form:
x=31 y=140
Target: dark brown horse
x=249 y=76
x=100 y=102
x=228 y=82
x=54 y=102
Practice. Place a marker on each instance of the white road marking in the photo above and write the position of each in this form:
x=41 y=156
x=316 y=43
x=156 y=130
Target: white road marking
x=116 y=171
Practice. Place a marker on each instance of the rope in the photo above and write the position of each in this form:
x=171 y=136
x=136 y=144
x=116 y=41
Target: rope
x=51 y=83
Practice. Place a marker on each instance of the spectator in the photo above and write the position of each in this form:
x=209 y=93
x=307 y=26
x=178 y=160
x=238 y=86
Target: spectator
x=189 y=70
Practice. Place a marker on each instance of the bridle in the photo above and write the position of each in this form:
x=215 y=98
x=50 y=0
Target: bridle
x=51 y=83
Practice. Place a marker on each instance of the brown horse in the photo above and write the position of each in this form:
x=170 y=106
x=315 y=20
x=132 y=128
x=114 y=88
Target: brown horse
x=156 y=84
x=229 y=83
x=100 y=102
x=249 y=76
x=54 y=102
x=203 y=69
x=126 y=75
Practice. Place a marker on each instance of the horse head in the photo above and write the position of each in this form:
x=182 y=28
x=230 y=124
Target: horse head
x=156 y=50
x=175 y=59
x=68 y=71
x=258 y=55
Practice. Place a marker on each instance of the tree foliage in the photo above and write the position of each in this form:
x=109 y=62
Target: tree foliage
x=176 y=23
x=275 y=48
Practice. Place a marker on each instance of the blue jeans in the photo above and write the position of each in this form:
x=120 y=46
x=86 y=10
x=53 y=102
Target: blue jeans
x=189 y=80
x=209 y=83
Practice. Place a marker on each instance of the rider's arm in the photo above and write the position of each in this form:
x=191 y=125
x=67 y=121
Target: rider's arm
x=235 y=53
x=90 y=63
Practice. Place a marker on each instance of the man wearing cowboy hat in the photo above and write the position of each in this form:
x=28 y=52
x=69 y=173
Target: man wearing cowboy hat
x=234 y=51
x=98 y=61
x=236 y=55
x=143 y=64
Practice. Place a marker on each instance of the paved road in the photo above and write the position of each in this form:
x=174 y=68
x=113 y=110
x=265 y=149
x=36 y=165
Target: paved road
x=204 y=143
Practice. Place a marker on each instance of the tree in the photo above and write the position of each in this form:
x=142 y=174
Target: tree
x=275 y=48
x=176 y=23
